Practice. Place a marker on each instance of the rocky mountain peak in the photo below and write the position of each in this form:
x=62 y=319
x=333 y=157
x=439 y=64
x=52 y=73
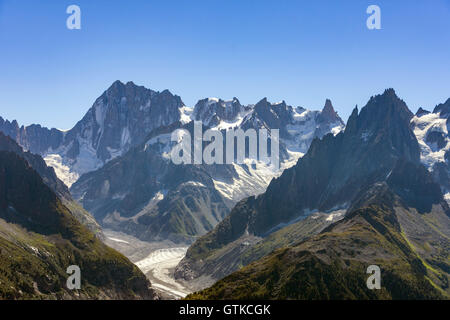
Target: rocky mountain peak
x=274 y=115
x=384 y=125
x=443 y=109
x=8 y=144
x=385 y=110
x=373 y=141
x=421 y=112
x=389 y=101
x=328 y=114
x=351 y=122
x=122 y=117
x=119 y=119
x=328 y=105
x=262 y=102
x=9 y=128
x=213 y=110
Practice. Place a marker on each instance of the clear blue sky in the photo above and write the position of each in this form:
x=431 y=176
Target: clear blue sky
x=299 y=51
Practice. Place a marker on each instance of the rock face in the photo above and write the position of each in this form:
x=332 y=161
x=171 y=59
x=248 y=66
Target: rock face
x=373 y=171
x=211 y=111
x=421 y=112
x=328 y=178
x=51 y=180
x=119 y=119
x=432 y=131
x=40 y=239
x=443 y=109
x=33 y=138
x=328 y=114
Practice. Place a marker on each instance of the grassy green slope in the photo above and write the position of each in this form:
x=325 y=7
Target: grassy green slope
x=333 y=264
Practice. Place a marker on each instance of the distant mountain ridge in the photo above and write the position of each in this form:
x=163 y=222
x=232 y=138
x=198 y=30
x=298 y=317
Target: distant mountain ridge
x=128 y=121
x=119 y=119
x=143 y=193
x=125 y=114
x=126 y=134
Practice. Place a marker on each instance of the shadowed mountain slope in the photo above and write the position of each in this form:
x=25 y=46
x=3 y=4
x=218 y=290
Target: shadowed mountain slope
x=40 y=239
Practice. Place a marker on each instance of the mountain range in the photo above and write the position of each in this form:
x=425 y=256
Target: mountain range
x=360 y=198
x=374 y=191
x=115 y=160
x=120 y=118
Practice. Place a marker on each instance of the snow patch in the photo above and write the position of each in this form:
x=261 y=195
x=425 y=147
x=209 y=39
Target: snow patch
x=63 y=172
x=422 y=126
x=125 y=139
x=186 y=114
x=334 y=216
x=194 y=183
x=118 y=240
